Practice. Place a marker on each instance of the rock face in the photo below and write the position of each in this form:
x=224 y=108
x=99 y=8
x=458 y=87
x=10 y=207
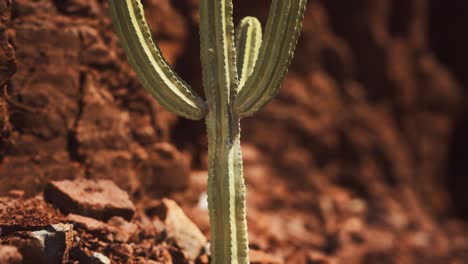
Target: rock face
x=165 y=169
x=66 y=111
x=7 y=53
x=99 y=199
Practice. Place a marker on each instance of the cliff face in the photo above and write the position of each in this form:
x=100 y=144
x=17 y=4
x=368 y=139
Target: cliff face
x=369 y=126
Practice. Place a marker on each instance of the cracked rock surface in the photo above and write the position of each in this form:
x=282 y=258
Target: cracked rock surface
x=99 y=199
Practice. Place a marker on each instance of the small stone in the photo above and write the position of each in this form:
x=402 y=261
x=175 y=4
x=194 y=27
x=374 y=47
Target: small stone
x=126 y=250
x=203 y=259
x=259 y=257
x=313 y=257
x=84 y=255
x=100 y=199
x=203 y=201
x=180 y=228
x=10 y=255
x=320 y=258
x=116 y=229
x=122 y=229
x=178 y=256
x=99 y=258
x=90 y=224
x=162 y=254
x=16 y=194
x=50 y=245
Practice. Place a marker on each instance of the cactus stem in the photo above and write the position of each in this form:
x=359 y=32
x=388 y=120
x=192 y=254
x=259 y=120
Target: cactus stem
x=226 y=191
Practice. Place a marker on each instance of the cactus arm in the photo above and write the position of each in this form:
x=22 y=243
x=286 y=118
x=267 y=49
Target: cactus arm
x=248 y=42
x=151 y=68
x=217 y=50
x=226 y=190
x=281 y=36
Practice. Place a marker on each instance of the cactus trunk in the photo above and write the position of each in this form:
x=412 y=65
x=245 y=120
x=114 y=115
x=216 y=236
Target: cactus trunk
x=226 y=189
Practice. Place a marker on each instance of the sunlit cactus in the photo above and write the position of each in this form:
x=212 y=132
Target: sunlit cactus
x=242 y=71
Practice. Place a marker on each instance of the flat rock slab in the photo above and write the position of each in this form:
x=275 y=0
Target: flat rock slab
x=99 y=199
x=90 y=224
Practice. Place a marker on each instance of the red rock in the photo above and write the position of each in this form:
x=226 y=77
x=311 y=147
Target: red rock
x=178 y=256
x=165 y=168
x=115 y=230
x=25 y=169
x=10 y=255
x=320 y=258
x=50 y=245
x=16 y=193
x=99 y=258
x=203 y=259
x=88 y=223
x=162 y=254
x=251 y=155
x=121 y=229
x=259 y=257
x=85 y=8
x=180 y=228
x=100 y=199
x=313 y=257
x=7 y=52
x=103 y=134
x=149 y=262
x=200 y=217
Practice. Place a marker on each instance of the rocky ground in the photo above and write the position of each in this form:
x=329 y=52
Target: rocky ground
x=96 y=222
x=360 y=159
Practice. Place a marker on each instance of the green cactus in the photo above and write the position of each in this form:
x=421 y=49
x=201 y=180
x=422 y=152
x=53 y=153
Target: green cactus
x=242 y=71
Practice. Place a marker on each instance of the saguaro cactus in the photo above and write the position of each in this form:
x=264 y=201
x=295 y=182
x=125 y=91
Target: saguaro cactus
x=241 y=72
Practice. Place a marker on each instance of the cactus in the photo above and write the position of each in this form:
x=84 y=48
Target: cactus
x=242 y=71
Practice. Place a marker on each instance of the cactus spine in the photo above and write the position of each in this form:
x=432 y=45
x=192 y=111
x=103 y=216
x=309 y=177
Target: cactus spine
x=242 y=71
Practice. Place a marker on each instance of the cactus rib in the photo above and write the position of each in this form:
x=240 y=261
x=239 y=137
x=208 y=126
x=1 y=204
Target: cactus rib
x=248 y=42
